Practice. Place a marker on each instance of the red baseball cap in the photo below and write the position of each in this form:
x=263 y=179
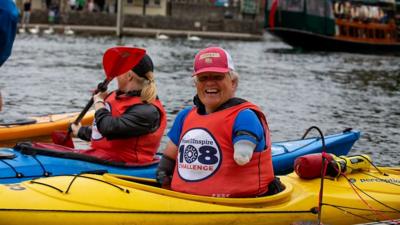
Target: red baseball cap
x=212 y=59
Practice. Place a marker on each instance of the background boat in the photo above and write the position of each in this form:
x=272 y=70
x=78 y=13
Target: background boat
x=366 y=26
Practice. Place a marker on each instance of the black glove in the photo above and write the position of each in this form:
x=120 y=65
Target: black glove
x=164 y=171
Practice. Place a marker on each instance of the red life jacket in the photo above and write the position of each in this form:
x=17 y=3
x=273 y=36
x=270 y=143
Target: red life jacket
x=205 y=164
x=138 y=149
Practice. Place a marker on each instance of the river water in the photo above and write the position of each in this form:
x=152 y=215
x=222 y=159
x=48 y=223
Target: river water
x=334 y=91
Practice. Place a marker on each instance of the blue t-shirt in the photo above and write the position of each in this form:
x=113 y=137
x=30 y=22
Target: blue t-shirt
x=8 y=28
x=247 y=126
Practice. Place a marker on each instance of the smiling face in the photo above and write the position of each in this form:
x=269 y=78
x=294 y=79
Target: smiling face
x=214 y=89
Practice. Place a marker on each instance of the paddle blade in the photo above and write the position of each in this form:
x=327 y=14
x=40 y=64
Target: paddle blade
x=63 y=138
x=119 y=60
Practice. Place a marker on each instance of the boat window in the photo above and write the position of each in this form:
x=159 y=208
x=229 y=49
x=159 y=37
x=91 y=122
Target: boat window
x=291 y=5
x=329 y=10
x=318 y=8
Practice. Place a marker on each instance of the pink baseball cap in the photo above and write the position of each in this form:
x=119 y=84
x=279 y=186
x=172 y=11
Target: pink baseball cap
x=212 y=59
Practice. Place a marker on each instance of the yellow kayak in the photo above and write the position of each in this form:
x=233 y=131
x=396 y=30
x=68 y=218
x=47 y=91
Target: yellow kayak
x=43 y=126
x=116 y=199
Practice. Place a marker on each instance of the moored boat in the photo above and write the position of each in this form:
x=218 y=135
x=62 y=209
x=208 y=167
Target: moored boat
x=369 y=195
x=40 y=126
x=366 y=26
x=29 y=162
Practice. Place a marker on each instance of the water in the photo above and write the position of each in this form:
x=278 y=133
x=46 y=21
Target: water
x=54 y=74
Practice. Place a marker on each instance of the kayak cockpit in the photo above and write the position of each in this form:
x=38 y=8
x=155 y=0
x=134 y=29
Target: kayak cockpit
x=150 y=185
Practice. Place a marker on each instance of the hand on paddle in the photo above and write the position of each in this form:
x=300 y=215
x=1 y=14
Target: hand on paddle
x=75 y=128
x=98 y=100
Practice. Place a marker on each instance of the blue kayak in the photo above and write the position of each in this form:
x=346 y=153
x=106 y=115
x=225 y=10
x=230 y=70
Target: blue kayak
x=25 y=163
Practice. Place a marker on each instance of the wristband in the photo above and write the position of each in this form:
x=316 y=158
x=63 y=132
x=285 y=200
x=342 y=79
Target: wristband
x=100 y=101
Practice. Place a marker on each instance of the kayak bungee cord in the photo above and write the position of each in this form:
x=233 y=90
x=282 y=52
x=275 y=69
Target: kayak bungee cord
x=21 y=175
x=368 y=174
x=376 y=200
x=81 y=175
x=73 y=180
x=17 y=174
x=342 y=208
x=378 y=213
x=325 y=162
x=47 y=185
x=45 y=172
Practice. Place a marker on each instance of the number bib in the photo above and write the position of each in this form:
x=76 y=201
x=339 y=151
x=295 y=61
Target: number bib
x=199 y=155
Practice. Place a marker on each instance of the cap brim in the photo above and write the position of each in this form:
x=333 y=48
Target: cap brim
x=211 y=70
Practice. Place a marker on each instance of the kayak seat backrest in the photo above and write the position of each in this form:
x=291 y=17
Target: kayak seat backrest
x=26 y=148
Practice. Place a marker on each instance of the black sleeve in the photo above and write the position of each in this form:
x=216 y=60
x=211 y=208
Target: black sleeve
x=85 y=133
x=137 y=120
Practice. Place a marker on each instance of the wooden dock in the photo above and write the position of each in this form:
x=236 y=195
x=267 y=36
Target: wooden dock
x=147 y=32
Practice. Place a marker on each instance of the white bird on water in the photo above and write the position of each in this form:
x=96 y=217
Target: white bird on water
x=161 y=36
x=50 y=30
x=193 y=38
x=34 y=30
x=68 y=31
x=21 y=30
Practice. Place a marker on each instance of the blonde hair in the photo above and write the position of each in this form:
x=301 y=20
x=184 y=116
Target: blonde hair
x=149 y=89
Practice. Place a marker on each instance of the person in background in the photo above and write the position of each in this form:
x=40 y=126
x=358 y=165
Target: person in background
x=347 y=10
x=220 y=147
x=90 y=6
x=8 y=29
x=27 y=13
x=72 y=4
x=129 y=122
x=48 y=4
x=80 y=4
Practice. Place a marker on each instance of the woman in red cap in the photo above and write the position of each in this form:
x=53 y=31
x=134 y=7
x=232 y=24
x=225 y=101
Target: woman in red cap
x=129 y=122
x=221 y=146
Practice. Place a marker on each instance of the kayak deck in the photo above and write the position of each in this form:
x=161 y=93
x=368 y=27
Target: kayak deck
x=43 y=127
x=113 y=199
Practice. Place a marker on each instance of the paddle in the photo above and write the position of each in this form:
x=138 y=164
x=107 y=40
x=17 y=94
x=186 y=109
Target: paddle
x=116 y=61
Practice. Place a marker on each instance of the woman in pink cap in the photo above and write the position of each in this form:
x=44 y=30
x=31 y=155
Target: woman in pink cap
x=220 y=147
